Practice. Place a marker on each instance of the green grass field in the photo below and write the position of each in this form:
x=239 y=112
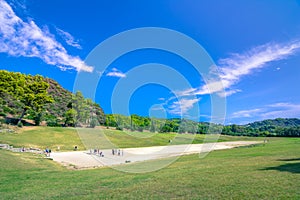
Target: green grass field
x=67 y=138
x=270 y=171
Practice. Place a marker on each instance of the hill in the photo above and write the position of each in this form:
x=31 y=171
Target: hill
x=288 y=127
x=278 y=122
x=43 y=99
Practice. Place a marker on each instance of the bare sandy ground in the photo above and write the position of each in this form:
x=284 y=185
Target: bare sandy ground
x=84 y=159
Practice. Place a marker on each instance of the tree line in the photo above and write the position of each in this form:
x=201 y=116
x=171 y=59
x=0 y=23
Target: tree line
x=267 y=128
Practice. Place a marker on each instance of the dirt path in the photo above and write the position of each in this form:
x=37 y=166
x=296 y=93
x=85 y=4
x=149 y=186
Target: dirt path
x=84 y=159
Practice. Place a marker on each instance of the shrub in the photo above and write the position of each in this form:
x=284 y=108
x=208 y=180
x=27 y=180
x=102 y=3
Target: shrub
x=53 y=122
x=94 y=122
x=20 y=124
x=119 y=128
x=2 y=114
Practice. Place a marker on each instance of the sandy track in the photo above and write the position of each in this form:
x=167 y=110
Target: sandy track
x=83 y=159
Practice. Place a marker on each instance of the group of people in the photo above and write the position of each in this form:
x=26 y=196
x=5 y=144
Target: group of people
x=47 y=152
x=118 y=152
x=115 y=152
x=96 y=152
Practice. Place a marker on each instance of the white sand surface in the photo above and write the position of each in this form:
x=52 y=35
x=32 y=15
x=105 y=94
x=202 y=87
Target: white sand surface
x=83 y=159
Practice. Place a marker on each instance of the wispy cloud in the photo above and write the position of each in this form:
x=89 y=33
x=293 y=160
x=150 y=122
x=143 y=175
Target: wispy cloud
x=271 y=111
x=228 y=92
x=239 y=65
x=20 y=38
x=69 y=39
x=231 y=70
x=182 y=106
x=246 y=113
x=284 y=110
x=116 y=73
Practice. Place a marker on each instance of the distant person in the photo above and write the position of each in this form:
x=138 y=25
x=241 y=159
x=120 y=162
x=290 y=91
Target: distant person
x=46 y=152
x=75 y=148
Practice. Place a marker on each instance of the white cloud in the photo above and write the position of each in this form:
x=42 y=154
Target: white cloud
x=231 y=70
x=239 y=65
x=226 y=93
x=69 y=39
x=182 y=106
x=282 y=110
x=246 y=113
x=20 y=38
x=158 y=107
x=116 y=73
x=186 y=92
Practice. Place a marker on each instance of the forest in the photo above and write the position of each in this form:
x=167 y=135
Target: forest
x=43 y=101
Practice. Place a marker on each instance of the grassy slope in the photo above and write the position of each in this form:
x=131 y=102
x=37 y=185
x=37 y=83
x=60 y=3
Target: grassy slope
x=260 y=172
x=42 y=137
x=67 y=138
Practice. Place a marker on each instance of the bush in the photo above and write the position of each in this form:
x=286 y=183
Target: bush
x=2 y=121
x=20 y=124
x=94 y=122
x=119 y=128
x=2 y=114
x=53 y=122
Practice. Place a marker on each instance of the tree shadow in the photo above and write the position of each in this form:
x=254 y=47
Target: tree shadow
x=289 y=159
x=293 y=167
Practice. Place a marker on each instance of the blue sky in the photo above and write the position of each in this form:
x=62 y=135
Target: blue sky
x=254 y=44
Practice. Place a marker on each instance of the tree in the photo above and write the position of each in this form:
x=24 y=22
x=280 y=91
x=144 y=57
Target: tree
x=152 y=126
x=33 y=95
x=94 y=122
x=71 y=117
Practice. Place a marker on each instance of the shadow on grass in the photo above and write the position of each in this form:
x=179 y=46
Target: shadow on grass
x=251 y=145
x=293 y=167
x=290 y=159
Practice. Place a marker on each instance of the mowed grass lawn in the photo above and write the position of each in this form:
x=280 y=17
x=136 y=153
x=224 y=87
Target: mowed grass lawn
x=270 y=171
x=84 y=138
x=43 y=137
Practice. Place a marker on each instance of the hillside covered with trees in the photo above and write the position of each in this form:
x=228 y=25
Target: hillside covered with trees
x=269 y=128
x=43 y=100
x=289 y=127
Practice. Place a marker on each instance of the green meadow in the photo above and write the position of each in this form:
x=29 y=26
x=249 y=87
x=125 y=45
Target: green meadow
x=67 y=138
x=264 y=171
